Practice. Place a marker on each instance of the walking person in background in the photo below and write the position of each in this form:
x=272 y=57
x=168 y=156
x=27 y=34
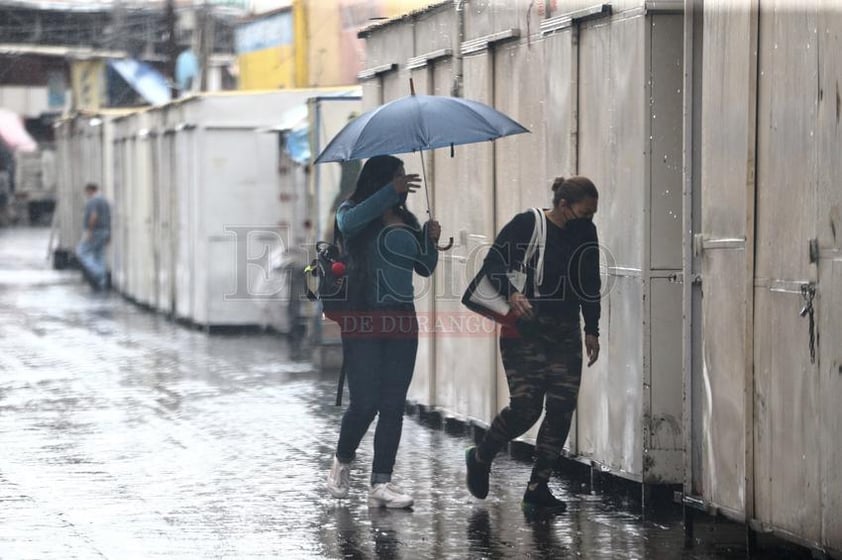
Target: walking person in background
x=385 y=244
x=97 y=233
x=542 y=351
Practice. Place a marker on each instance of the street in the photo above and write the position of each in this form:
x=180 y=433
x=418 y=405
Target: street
x=127 y=435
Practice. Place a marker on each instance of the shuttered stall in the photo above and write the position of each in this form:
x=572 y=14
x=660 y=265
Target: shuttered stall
x=83 y=155
x=770 y=144
x=134 y=204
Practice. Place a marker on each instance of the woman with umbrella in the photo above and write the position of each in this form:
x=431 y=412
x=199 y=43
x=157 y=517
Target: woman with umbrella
x=542 y=351
x=385 y=244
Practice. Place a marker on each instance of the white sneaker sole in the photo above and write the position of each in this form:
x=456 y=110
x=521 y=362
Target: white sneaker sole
x=337 y=492
x=374 y=502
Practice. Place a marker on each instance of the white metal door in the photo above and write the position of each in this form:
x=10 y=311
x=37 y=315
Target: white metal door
x=612 y=152
x=787 y=447
x=725 y=245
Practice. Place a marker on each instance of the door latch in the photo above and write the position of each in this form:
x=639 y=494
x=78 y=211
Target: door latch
x=808 y=294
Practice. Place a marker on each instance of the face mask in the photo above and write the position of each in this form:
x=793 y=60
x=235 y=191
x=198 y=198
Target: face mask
x=577 y=220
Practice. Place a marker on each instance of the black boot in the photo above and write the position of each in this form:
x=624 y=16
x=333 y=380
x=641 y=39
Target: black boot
x=539 y=498
x=477 y=476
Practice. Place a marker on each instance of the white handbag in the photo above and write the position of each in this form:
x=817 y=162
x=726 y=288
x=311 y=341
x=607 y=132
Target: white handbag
x=482 y=297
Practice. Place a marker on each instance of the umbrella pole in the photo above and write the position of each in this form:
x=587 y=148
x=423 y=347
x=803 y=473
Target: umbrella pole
x=427 y=195
x=426 y=190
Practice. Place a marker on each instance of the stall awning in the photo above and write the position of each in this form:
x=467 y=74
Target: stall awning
x=144 y=79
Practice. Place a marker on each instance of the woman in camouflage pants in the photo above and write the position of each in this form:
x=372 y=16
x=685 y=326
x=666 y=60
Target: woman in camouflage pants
x=542 y=350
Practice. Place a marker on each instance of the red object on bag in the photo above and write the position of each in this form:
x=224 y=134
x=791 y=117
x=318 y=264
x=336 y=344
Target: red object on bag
x=338 y=268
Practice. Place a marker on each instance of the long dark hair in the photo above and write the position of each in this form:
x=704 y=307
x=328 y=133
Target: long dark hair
x=377 y=172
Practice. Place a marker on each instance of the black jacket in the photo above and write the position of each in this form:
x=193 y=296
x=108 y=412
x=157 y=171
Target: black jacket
x=571 y=268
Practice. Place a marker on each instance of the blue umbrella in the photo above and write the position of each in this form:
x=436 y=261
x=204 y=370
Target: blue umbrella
x=415 y=123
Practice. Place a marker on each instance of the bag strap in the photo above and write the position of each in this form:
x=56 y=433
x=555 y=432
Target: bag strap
x=533 y=240
x=542 y=244
x=537 y=242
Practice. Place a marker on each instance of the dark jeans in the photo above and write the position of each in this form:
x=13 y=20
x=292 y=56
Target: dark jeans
x=545 y=363
x=379 y=368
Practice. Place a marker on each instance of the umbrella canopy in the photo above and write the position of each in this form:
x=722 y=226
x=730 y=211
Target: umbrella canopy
x=14 y=134
x=415 y=123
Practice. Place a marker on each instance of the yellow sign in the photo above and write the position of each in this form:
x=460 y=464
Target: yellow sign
x=88 y=82
x=272 y=68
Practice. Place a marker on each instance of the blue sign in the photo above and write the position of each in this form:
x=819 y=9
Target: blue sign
x=271 y=31
x=56 y=90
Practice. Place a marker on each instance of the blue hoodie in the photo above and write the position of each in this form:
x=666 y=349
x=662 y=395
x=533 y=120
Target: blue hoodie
x=395 y=252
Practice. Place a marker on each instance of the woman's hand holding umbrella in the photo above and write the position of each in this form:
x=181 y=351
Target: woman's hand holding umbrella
x=410 y=183
x=433 y=230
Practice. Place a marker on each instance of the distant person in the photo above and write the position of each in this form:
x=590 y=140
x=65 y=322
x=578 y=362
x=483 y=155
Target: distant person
x=387 y=246
x=97 y=234
x=542 y=351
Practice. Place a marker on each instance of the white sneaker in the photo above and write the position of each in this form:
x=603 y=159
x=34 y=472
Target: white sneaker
x=390 y=496
x=339 y=479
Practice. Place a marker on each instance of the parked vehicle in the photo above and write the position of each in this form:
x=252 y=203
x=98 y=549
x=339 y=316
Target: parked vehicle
x=34 y=197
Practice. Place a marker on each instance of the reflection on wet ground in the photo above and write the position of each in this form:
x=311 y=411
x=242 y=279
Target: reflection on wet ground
x=125 y=435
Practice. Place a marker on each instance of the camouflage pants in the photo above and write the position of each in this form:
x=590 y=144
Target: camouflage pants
x=543 y=364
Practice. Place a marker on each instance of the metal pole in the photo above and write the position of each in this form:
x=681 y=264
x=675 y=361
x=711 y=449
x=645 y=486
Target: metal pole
x=117 y=24
x=172 y=46
x=458 y=38
x=749 y=273
x=426 y=189
x=207 y=44
x=688 y=268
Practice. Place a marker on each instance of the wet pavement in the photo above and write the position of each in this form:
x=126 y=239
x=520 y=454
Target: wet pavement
x=124 y=435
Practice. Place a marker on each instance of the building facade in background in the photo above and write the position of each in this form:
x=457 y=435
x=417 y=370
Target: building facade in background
x=266 y=51
x=309 y=43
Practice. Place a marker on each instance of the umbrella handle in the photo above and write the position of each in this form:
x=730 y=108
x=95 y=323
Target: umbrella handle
x=445 y=247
